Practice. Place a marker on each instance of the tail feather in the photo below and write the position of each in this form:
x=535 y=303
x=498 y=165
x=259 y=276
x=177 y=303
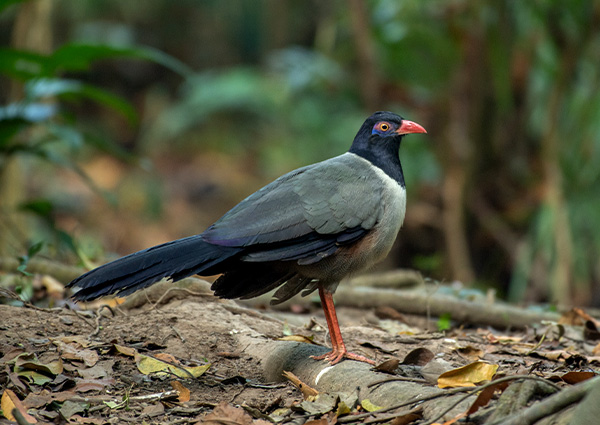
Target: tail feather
x=176 y=259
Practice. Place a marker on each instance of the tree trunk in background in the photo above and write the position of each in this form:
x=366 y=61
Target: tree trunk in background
x=32 y=31
x=365 y=52
x=458 y=155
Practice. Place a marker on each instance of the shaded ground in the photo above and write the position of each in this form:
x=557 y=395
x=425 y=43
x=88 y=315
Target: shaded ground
x=103 y=375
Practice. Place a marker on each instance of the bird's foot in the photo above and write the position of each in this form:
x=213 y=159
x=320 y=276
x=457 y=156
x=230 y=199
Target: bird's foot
x=336 y=356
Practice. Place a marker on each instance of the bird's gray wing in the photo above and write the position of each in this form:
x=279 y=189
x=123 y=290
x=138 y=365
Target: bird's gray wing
x=308 y=211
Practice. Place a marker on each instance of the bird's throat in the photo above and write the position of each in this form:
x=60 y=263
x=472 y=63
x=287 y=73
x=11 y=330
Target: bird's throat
x=382 y=153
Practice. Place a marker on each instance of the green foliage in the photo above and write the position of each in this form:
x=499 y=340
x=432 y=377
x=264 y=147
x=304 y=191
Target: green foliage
x=41 y=125
x=444 y=322
x=24 y=259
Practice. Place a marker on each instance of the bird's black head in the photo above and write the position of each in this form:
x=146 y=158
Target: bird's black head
x=378 y=141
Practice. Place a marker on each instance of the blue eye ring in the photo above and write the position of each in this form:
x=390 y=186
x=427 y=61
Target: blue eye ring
x=382 y=127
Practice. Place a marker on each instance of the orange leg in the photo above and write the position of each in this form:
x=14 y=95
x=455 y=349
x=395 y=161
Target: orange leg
x=338 y=348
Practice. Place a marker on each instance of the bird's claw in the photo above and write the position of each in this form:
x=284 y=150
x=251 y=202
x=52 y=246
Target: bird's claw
x=336 y=356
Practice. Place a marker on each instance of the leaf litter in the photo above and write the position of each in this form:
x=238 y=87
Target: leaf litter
x=141 y=367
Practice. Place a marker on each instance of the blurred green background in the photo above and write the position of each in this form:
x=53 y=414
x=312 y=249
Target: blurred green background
x=125 y=124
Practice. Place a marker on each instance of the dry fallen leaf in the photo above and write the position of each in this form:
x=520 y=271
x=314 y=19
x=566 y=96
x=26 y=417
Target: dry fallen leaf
x=467 y=376
x=184 y=393
x=418 y=357
x=127 y=351
x=297 y=338
x=368 y=406
x=409 y=418
x=227 y=414
x=577 y=377
x=470 y=352
x=452 y=421
x=148 y=365
x=10 y=401
x=388 y=366
x=73 y=351
x=486 y=395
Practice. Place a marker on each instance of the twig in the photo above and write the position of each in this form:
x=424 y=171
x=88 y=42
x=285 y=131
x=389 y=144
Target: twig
x=155 y=396
x=489 y=384
x=98 y=317
x=398 y=378
x=550 y=405
x=39 y=266
x=19 y=418
x=394 y=416
x=452 y=391
x=470 y=390
x=175 y=288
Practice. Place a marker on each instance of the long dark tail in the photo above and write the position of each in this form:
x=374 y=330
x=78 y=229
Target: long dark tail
x=176 y=259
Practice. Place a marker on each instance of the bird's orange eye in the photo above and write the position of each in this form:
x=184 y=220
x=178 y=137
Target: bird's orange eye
x=383 y=126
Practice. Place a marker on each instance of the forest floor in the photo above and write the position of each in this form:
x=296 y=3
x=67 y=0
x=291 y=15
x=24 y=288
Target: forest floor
x=191 y=358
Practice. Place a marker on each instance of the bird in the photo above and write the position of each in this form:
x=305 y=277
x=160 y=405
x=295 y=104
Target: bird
x=304 y=232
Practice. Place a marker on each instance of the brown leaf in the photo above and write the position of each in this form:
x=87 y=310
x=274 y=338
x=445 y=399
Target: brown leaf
x=322 y=421
x=127 y=351
x=153 y=410
x=577 y=377
x=389 y=366
x=590 y=331
x=184 y=393
x=486 y=395
x=453 y=420
x=385 y=312
x=82 y=341
x=10 y=401
x=307 y=391
x=581 y=313
x=97 y=371
x=225 y=413
x=409 y=418
x=88 y=421
x=467 y=376
x=72 y=351
x=85 y=385
x=63 y=396
x=571 y=318
x=418 y=357
x=167 y=358
x=11 y=354
x=35 y=401
x=470 y=352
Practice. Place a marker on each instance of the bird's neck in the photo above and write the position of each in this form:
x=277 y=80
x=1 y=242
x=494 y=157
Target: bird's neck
x=382 y=152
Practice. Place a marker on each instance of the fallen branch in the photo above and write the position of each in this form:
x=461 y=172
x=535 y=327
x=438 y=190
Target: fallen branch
x=550 y=405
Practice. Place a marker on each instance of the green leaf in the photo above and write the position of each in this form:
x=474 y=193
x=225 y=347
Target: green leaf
x=444 y=322
x=80 y=56
x=24 y=259
x=24 y=65
x=40 y=207
x=5 y=3
x=40 y=88
x=110 y=100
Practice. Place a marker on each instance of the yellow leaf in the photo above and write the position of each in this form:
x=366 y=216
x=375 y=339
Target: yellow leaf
x=296 y=338
x=127 y=351
x=342 y=409
x=467 y=376
x=368 y=406
x=10 y=401
x=148 y=365
x=7 y=405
